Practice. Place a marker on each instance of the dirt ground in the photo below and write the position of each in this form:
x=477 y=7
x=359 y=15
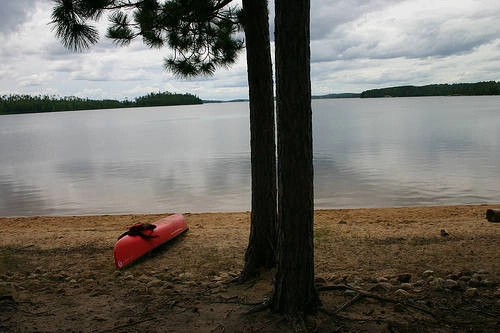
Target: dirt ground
x=377 y=270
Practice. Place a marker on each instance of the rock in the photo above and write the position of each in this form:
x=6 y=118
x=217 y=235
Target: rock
x=465 y=278
x=437 y=284
x=144 y=278
x=444 y=233
x=404 y=278
x=471 y=292
x=451 y=284
x=406 y=286
x=382 y=279
x=342 y=222
x=128 y=276
x=402 y=293
x=155 y=283
x=419 y=283
x=428 y=273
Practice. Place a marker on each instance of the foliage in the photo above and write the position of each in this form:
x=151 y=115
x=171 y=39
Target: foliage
x=202 y=33
x=467 y=89
x=14 y=104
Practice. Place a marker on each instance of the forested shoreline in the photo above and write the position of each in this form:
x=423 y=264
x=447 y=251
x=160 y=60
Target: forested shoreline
x=457 y=89
x=17 y=104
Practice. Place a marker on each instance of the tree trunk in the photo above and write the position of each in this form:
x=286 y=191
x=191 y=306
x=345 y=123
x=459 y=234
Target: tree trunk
x=261 y=245
x=493 y=215
x=294 y=290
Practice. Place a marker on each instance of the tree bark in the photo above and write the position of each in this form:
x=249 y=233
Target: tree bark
x=294 y=290
x=262 y=241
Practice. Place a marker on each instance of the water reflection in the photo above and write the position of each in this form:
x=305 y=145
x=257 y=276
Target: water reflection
x=367 y=153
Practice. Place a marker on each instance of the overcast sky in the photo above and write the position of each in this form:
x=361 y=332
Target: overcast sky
x=355 y=45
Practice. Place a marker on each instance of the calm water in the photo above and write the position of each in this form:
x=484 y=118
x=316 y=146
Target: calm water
x=367 y=153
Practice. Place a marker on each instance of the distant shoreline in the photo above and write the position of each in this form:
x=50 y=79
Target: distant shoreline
x=20 y=104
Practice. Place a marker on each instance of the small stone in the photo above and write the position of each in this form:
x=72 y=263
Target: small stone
x=451 y=284
x=402 y=293
x=342 y=222
x=471 y=292
x=444 y=233
x=382 y=279
x=406 y=286
x=144 y=278
x=465 y=278
x=155 y=283
x=428 y=273
x=437 y=284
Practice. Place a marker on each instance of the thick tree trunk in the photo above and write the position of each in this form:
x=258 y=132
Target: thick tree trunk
x=493 y=215
x=294 y=290
x=261 y=245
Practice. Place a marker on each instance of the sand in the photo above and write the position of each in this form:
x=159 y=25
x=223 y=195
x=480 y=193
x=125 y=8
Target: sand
x=378 y=270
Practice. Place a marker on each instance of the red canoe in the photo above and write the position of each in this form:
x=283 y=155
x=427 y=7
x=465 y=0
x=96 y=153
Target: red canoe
x=131 y=247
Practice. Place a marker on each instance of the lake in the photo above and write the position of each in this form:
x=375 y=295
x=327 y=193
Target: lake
x=367 y=153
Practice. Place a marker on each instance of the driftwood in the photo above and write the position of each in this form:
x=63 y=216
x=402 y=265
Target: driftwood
x=493 y=215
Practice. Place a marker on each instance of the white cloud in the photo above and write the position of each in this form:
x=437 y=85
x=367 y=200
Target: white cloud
x=355 y=45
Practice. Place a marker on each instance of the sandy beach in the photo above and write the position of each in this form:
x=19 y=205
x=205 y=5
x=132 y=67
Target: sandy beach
x=378 y=270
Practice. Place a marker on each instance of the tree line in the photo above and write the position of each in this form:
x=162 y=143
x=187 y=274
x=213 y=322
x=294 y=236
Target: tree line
x=465 y=89
x=16 y=104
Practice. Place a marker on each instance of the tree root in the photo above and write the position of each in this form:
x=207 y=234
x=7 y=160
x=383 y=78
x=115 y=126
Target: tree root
x=259 y=307
x=363 y=294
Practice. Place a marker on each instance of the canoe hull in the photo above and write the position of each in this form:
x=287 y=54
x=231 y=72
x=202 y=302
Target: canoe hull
x=130 y=248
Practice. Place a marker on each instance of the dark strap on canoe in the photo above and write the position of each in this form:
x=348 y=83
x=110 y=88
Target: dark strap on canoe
x=143 y=230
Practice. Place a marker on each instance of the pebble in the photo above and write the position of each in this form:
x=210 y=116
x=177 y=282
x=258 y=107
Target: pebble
x=471 y=292
x=128 y=276
x=451 y=284
x=155 y=283
x=437 y=284
x=402 y=293
x=406 y=286
x=428 y=273
x=144 y=278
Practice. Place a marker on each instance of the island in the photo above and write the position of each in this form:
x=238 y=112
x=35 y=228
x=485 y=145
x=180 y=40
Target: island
x=17 y=104
x=457 y=89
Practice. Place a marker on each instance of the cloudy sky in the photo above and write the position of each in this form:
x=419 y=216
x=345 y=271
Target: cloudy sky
x=355 y=45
